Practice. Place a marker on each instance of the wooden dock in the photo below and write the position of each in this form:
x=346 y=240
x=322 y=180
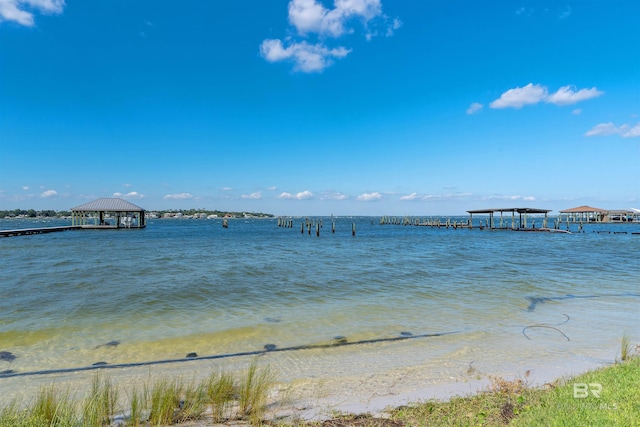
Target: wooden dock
x=39 y=230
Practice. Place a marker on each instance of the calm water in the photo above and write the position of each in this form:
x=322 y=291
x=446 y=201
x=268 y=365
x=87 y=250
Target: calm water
x=182 y=286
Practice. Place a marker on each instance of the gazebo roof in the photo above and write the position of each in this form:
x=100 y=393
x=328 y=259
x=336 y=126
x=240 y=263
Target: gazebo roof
x=519 y=210
x=582 y=209
x=109 y=205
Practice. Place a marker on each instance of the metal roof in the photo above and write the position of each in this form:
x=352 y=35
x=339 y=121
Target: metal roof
x=519 y=210
x=581 y=209
x=109 y=205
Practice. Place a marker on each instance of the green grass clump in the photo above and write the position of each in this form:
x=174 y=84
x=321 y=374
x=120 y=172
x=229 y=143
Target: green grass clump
x=162 y=402
x=253 y=392
x=626 y=348
x=52 y=408
x=220 y=391
x=137 y=405
x=193 y=403
x=100 y=406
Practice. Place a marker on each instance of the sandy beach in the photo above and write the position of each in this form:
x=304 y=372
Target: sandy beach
x=369 y=378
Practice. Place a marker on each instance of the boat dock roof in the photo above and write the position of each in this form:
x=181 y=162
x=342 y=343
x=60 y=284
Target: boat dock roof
x=518 y=210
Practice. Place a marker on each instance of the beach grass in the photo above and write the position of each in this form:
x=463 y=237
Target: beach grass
x=100 y=406
x=220 y=392
x=253 y=392
x=162 y=402
x=609 y=396
x=626 y=348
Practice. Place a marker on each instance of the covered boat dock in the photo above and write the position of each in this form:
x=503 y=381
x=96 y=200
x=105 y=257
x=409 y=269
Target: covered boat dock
x=589 y=214
x=108 y=213
x=522 y=223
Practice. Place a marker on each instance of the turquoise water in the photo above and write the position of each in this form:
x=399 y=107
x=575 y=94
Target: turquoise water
x=182 y=286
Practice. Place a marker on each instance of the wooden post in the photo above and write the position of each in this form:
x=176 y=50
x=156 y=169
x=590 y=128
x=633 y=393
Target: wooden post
x=353 y=229
x=317 y=229
x=333 y=227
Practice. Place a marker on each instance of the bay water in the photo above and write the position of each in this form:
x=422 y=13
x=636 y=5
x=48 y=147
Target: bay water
x=420 y=306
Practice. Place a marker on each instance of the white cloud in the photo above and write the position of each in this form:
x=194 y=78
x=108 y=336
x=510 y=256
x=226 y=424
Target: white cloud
x=303 y=195
x=523 y=11
x=412 y=196
x=445 y=196
x=534 y=94
x=310 y=16
x=307 y=15
x=178 y=196
x=510 y=198
x=632 y=132
x=604 y=129
x=272 y=188
x=397 y=23
x=369 y=197
x=333 y=195
x=49 y=193
x=520 y=96
x=254 y=196
x=130 y=195
x=25 y=187
x=226 y=189
x=126 y=185
x=567 y=95
x=21 y=11
x=311 y=19
x=306 y=57
x=577 y=111
x=474 y=108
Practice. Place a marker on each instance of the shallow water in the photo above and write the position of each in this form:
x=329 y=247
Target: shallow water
x=182 y=286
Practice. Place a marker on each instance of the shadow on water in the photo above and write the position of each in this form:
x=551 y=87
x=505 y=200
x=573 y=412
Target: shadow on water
x=534 y=301
x=268 y=348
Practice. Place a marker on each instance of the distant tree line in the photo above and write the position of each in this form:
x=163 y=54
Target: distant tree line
x=213 y=212
x=32 y=213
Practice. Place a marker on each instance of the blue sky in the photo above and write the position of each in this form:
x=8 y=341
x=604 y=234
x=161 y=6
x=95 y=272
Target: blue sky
x=309 y=107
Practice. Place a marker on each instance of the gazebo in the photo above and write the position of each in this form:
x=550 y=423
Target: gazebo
x=522 y=212
x=108 y=213
x=585 y=214
x=590 y=214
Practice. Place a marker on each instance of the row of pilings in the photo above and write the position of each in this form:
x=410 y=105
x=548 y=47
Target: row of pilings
x=310 y=224
x=315 y=225
x=425 y=222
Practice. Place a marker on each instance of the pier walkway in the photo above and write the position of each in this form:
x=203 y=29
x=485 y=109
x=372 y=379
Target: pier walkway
x=39 y=230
